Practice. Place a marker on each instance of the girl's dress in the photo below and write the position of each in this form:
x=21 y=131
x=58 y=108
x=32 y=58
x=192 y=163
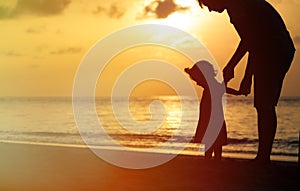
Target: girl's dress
x=204 y=117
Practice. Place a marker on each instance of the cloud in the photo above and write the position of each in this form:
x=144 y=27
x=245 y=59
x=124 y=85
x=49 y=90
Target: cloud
x=7 y=8
x=34 y=7
x=33 y=66
x=162 y=8
x=69 y=50
x=113 y=11
x=36 y=30
x=11 y=53
x=296 y=39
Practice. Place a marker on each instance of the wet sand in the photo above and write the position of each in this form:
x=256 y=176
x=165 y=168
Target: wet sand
x=35 y=167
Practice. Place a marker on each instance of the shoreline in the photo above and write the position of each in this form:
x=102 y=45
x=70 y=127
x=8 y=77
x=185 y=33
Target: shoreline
x=40 y=167
x=189 y=153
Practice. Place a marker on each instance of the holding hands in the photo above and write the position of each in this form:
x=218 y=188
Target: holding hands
x=245 y=86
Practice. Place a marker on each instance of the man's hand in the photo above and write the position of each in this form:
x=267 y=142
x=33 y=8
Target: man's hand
x=228 y=73
x=245 y=86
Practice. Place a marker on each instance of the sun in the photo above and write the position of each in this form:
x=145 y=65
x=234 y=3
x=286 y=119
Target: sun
x=186 y=3
x=179 y=20
x=182 y=19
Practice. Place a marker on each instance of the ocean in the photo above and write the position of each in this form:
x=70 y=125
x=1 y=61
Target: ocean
x=50 y=121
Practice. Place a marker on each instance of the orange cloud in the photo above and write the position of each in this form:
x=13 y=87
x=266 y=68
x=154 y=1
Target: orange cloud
x=163 y=8
x=113 y=11
x=34 y=7
x=69 y=50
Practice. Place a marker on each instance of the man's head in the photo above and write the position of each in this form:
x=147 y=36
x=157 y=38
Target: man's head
x=213 y=5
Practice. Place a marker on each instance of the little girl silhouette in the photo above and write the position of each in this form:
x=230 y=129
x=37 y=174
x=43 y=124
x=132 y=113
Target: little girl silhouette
x=205 y=107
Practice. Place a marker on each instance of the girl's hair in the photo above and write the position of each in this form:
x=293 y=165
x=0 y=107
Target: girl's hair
x=200 y=68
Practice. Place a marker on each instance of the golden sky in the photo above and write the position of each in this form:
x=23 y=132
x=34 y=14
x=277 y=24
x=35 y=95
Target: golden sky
x=44 y=41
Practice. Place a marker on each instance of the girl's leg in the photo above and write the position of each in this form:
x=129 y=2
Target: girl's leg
x=218 y=152
x=208 y=153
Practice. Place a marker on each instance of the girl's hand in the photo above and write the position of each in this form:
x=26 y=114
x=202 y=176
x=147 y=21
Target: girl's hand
x=232 y=91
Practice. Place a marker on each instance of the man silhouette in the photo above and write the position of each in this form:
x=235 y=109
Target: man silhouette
x=271 y=50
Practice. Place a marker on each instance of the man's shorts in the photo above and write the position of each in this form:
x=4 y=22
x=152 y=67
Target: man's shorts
x=269 y=73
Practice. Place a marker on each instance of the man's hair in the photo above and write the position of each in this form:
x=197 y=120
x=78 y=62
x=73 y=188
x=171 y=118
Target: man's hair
x=200 y=3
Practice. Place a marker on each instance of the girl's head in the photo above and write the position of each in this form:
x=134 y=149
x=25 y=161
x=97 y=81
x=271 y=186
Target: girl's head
x=197 y=71
x=213 y=5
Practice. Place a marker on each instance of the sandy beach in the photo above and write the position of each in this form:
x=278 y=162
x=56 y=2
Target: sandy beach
x=36 y=167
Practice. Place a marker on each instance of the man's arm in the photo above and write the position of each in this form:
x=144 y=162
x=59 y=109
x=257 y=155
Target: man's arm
x=228 y=71
x=245 y=86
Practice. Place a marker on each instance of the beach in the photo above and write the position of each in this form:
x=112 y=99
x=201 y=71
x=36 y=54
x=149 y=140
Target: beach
x=41 y=167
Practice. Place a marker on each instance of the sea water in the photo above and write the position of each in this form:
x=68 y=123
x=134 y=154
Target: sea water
x=50 y=121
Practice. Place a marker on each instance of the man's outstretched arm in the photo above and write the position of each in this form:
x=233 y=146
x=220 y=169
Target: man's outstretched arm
x=228 y=71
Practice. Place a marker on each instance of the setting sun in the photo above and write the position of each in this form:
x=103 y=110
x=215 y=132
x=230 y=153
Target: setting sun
x=182 y=16
x=179 y=20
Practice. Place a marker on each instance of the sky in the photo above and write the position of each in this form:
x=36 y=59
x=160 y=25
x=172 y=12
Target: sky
x=44 y=41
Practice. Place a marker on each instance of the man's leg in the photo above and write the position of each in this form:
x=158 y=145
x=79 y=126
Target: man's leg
x=267 y=125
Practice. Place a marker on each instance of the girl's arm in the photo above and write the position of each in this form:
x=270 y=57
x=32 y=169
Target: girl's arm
x=232 y=91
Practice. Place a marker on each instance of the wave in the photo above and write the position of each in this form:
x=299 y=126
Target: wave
x=253 y=152
x=131 y=136
x=235 y=141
